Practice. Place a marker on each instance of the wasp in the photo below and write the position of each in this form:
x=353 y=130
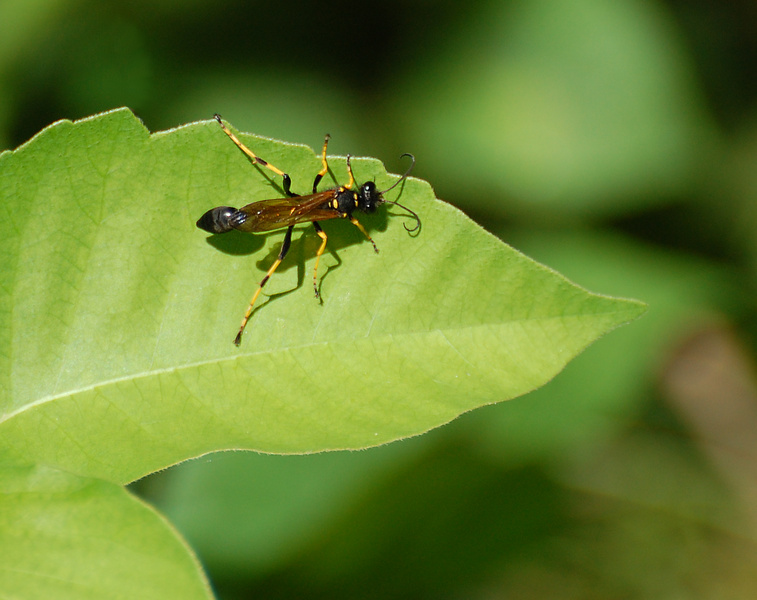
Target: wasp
x=277 y=213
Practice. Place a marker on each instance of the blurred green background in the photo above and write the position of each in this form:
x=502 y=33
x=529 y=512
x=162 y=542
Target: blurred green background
x=614 y=140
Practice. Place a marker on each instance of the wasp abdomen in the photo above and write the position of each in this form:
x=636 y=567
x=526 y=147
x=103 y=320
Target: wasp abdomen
x=221 y=219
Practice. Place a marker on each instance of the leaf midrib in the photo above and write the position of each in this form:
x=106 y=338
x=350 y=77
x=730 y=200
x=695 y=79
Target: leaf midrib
x=152 y=373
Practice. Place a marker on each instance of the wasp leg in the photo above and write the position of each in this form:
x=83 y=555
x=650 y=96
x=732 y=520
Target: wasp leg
x=274 y=266
x=351 y=182
x=322 y=234
x=324 y=165
x=287 y=183
x=357 y=224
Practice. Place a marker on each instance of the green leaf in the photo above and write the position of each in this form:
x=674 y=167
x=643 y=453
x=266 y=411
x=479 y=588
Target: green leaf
x=117 y=358
x=63 y=536
x=119 y=318
x=609 y=384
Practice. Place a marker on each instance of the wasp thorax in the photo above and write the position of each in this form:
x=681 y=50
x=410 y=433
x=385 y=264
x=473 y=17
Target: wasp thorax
x=346 y=201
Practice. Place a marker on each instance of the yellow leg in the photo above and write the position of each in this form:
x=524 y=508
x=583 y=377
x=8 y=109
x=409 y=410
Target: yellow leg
x=238 y=339
x=274 y=266
x=322 y=234
x=357 y=224
x=324 y=164
x=352 y=180
x=255 y=158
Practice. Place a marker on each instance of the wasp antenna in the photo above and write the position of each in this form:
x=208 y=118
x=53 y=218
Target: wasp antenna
x=401 y=179
x=412 y=212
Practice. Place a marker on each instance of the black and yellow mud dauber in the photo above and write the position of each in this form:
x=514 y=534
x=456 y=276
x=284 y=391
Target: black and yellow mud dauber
x=268 y=215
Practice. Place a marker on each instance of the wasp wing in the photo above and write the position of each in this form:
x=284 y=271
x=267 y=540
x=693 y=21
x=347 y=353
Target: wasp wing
x=276 y=213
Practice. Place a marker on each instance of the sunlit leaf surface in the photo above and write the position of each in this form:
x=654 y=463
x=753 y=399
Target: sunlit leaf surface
x=119 y=316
